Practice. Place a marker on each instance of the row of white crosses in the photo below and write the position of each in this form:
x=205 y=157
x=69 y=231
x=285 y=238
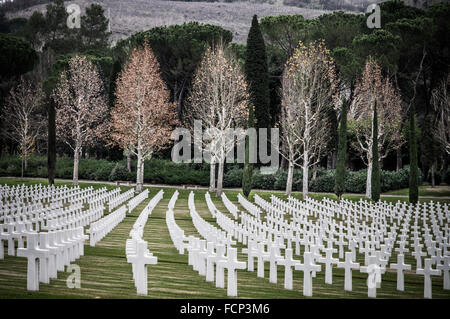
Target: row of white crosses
x=232 y=208
x=135 y=201
x=100 y=228
x=22 y=204
x=251 y=208
x=50 y=217
x=120 y=199
x=48 y=253
x=12 y=195
x=136 y=248
x=209 y=258
x=381 y=257
x=205 y=229
x=106 y=197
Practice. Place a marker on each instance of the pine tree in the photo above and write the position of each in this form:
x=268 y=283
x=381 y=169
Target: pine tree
x=413 y=169
x=257 y=75
x=339 y=182
x=376 y=187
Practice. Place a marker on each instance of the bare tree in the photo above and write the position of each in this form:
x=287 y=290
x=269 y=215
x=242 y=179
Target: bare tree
x=308 y=92
x=219 y=99
x=370 y=88
x=440 y=100
x=23 y=122
x=82 y=107
x=142 y=118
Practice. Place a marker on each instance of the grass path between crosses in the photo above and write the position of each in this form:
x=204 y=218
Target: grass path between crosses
x=105 y=272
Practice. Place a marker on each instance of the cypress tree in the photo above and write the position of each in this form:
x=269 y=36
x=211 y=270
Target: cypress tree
x=248 y=167
x=376 y=187
x=339 y=182
x=413 y=169
x=257 y=76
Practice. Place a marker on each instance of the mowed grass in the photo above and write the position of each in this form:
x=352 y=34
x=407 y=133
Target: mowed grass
x=105 y=272
x=426 y=190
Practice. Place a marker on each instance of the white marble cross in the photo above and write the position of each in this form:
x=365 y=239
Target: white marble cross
x=445 y=267
x=328 y=260
x=374 y=272
x=209 y=260
x=232 y=264
x=427 y=272
x=33 y=252
x=272 y=258
x=307 y=267
x=400 y=266
x=288 y=262
x=140 y=261
x=219 y=256
x=348 y=265
x=251 y=252
x=262 y=255
x=418 y=254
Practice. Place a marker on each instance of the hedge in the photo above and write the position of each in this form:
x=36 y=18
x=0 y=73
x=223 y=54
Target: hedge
x=167 y=172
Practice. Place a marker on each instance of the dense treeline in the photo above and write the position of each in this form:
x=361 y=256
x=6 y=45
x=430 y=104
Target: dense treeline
x=411 y=50
x=167 y=172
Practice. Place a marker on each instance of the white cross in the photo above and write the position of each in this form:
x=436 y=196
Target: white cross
x=418 y=254
x=232 y=264
x=33 y=252
x=329 y=261
x=348 y=265
x=140 y=262
x=272 y=259
x=262 y=255
x=427 y=272
x=209 y=261
x=307 y=267
x=400 y=266
x=445 y=267
x=219 y=256
x=251 y=252
x=288 y=262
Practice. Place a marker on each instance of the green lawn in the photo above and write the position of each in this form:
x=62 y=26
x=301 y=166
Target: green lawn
x=426 y=190
x=106 y=274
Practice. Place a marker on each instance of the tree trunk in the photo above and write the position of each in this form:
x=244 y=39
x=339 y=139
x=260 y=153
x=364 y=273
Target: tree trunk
x=399 y=159
x=129 y=161
x=305 y=174
x=369 y=180
x=284 y=163
x=51 y=141
x=330 y=161
x=22 y=167
x=289 y=178
x=220 y=177
x=433 y=181
x=314 y=173
x=139 y=172
x=142 y=174
x=212 y=177
x=334 y=159
x=76 y=162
